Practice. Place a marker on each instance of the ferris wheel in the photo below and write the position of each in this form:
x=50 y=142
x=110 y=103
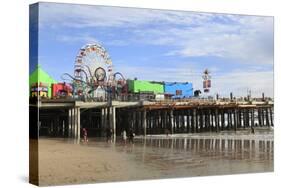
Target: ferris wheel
x=92 y=69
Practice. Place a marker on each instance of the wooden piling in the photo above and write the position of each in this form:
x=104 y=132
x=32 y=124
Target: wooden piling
x=235 y=119
x=271 y=118
x=267 y=117
x=217 y=120
x=252 y=117
x=222 y=120
x=69 y=122
x=144 y=121
x=172 y=121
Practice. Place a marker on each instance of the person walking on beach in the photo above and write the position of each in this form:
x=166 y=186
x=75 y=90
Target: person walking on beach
x=85 y=135
x=252 y=130
x=131 y=136
x=109 y=135
x=124 y=136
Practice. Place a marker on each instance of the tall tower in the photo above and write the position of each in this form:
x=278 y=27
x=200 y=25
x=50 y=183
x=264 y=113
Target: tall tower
x=206 y=81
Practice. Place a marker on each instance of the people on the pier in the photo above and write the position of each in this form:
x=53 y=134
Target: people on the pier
x=109 y=135
x=131 y=136
x=124 y=136
x=85 y=135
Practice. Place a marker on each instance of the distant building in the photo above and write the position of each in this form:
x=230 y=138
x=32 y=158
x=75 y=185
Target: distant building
x=178 y=89
x=138 y=86
x=161 y=90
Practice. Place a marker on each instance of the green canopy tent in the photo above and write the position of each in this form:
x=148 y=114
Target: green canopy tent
x=39 y=75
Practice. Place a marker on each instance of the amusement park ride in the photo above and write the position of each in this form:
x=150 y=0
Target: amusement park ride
x=94 y=78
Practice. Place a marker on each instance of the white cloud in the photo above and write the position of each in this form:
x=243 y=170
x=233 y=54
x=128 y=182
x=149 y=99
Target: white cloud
x=80 y=16
x=176 y=72
x=248 y=39
x=239 y=82
x=252 y=44
x=78 y=38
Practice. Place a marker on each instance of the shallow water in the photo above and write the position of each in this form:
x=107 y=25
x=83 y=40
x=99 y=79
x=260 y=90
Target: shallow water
x=200 y=154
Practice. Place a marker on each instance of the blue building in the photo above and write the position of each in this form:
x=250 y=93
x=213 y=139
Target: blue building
x=178 y=89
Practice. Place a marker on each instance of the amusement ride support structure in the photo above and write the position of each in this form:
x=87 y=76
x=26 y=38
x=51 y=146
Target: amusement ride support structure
x=93 y=77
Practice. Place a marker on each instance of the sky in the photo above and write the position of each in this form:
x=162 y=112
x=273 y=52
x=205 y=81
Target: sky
x=161 y=45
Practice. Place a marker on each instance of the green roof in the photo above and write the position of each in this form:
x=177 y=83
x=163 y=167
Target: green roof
x=39 y=75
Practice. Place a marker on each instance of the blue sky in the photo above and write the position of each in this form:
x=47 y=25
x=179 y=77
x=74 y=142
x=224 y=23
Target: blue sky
x=163 y=45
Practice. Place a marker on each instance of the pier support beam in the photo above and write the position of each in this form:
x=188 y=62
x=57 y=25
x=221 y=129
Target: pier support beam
x=271 y=118
x=235 y=119
x=194 y=119
x=102 y=120
x=201 y=122
x=69 y=122
x=210 y=124
x=222 y=120
x=252 y=117
x=217 y=120
x=267 y=117
x=172 y=121
x=74 y=123
x=144 y=122
x=228 y=120
x=239 y=125
x=139 y=123
x=113 y=120
x=110 y=125
x=260 y=117
x=187 y=121
x=78 y=124
x=206 y=118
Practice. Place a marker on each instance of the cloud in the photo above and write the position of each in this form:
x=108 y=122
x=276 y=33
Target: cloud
x=116 y=43
x=239 y=82
x=77 y=38
x=81 y=16
x=181 y=72
x=250 y=43
x=248 y=39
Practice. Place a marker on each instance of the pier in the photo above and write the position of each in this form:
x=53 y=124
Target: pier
x=66 y=118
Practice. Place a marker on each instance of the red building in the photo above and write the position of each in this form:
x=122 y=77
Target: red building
x=61 y=90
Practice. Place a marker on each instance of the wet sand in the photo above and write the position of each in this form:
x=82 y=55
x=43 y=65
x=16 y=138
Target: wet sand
x=62 y=161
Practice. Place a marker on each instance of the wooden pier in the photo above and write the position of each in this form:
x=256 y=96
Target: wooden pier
x=67 y=118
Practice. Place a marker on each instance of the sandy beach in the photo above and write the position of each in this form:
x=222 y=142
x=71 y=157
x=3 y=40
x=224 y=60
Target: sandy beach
x=63 y=161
